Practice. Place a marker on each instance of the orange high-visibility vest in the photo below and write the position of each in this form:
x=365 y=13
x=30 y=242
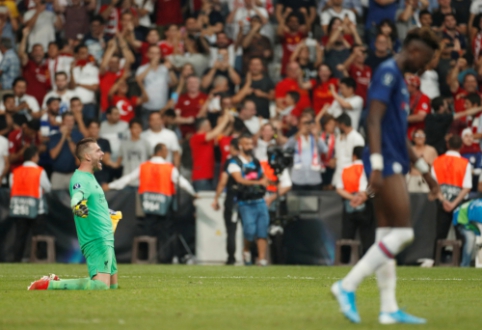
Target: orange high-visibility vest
x=25 y=192
x=351 y=176
x=156 y=187
x=270 y=175
x=156 y=178
x=26 y=181
x=450 y=172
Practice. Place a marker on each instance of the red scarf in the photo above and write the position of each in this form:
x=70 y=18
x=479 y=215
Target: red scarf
x=474 y=148
x=83 y=63
x=329 y=139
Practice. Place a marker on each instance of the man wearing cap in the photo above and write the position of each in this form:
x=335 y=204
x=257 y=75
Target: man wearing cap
x=50 y=120
x=419 y=105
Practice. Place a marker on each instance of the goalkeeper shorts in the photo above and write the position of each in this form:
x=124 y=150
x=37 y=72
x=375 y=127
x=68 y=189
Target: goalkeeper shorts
x=100 y=257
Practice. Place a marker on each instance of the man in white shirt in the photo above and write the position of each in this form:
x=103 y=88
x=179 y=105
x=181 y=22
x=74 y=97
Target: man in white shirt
x=160 y=151
x=348 y=102
x=336 y=10
x=84 y=80
x=345 y=142
x=248 y=115
x=114 y=130
x=42 y=24
x=156 y=78
x=61 y=92
x=157 y=134
x=57 y=62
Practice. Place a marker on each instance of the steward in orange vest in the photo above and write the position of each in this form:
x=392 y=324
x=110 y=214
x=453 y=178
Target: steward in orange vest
x=353 y=182
x=157 y=182
x=454 y=175
x=28 y=182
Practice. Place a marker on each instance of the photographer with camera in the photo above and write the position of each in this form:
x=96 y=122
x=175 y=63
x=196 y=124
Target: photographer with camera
x=308 y=148
x=246 y=170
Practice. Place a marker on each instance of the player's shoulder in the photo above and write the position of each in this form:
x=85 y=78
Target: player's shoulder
x=78 y=181
x=387 y=72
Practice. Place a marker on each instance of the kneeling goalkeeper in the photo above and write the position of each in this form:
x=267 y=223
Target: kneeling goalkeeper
x=95 y=225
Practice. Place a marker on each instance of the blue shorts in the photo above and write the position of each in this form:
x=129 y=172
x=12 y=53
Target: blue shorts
x=391 y=166
x=255 y=219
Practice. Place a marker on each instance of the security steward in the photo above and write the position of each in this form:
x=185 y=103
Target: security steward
x=454 y=175
x=248 y=173
x=28 y=183
x=354 y=182
x=229 y=214
x=157 y=189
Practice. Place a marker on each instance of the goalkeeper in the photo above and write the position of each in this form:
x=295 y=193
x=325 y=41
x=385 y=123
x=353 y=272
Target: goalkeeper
x=95 y=226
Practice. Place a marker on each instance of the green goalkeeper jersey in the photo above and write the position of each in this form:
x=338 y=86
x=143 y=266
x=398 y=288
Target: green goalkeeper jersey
x=97 y=225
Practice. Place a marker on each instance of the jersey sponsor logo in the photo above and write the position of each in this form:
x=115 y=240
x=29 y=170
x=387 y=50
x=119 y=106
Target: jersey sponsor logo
x=388 y=79
x=397 y=168
x=77 y=186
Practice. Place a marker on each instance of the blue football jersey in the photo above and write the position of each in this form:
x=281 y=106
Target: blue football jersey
x=388 y=86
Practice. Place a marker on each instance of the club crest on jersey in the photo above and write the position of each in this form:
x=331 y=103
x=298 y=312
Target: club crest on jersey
x=76 y=186
x=387 y=79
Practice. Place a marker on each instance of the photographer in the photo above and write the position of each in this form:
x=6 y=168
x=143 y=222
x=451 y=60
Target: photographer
x=353 y=182
x=246 y=170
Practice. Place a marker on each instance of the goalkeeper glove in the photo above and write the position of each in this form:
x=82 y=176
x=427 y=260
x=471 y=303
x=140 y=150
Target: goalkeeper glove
x=81 y=210
x=115 y=217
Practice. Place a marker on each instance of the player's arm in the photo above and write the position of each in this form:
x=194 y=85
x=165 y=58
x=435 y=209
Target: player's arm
x=374 y=120
x=79 y=205
x=422 y=166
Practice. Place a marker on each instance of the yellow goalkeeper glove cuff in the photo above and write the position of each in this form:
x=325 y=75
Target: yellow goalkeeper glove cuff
x=115 y=217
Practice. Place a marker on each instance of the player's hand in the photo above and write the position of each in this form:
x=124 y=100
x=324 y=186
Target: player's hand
x=375 y=183
x=81 y=210
x=215 y=205
x=433 y=185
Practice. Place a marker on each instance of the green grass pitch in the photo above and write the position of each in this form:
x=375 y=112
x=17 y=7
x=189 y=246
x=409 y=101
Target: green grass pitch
x=203 y=297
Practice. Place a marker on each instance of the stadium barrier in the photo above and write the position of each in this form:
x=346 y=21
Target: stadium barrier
x=308 y=240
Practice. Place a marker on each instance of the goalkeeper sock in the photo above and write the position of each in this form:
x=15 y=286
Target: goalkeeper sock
x=114 y=286
x=77 y=284
x=381 y=252
x=387 y=279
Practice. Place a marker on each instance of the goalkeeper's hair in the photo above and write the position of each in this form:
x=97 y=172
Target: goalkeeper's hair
x=81 y=146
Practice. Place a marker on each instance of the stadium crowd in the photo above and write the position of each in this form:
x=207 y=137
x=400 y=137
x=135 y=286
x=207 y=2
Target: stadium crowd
x=193 y=75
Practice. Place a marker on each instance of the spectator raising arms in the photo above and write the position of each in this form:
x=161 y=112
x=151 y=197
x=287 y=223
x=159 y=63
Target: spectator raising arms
x=202 y=149
x=292 y=34
x=320 y=87
x=35 y=69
